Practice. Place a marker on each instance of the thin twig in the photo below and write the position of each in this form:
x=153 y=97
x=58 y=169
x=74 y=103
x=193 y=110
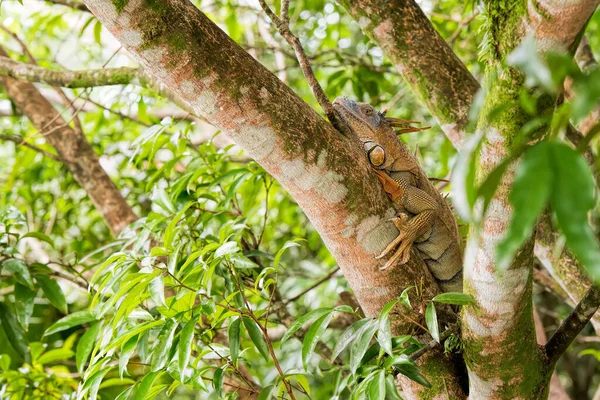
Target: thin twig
x=21 y=142
x=433 y=344
x=313 y=286
x=461 y=26
x=573 y=324
x=303 y=60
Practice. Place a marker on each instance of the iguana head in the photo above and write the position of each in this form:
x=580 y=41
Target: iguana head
x=373 y=128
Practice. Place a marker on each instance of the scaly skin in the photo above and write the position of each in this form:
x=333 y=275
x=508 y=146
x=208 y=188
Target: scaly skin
x=424 y=219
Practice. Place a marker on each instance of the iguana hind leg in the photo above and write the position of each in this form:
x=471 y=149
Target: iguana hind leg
x=416 y=202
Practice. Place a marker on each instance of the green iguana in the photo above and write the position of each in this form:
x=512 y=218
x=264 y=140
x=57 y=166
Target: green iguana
x=424 y=218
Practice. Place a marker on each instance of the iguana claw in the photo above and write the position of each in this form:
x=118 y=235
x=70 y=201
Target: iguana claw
x=405 y=239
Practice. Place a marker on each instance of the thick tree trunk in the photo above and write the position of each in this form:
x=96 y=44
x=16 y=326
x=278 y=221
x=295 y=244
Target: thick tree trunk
x=74 y=151
x=500 y=347
x=326 y=173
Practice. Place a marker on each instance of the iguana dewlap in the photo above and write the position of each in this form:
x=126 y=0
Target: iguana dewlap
x=424 y=220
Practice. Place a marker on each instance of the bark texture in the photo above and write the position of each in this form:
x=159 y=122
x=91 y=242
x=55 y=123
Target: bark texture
x=74 y=151
x=421 y=55
x=72 y=79
x=501 y=353
x=326 y=173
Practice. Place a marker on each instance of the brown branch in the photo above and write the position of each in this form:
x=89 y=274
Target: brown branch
x=432 y=344
x=462 y=26
x=573 y=324
x=313 y=83
x=21 y=142
x=73 y=150
x=71 y=4
x=313 y=286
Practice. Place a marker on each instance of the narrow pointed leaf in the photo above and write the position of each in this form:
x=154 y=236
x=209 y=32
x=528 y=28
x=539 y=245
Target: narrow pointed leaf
x=312 y=337
x=377 y=386
x=305 y=319
x=86 y=345
x=361 y=344
x=347 y=337
x=71 y=320
x=257 y=338
x=24 y=298
x=233 y=333
x=162 y=348
x=14 y=332
x=53 y=292
x=432 y=322
x=19 y=269
x=461 y=299
x=185 y=346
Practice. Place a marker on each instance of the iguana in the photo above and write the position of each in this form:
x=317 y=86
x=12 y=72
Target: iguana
x=424 y=218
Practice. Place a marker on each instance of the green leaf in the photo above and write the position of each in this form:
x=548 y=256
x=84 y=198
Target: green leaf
x=233 y=333
x=463 y=178
x=24 y=298
x=97 y=31
x=227 y=248
x=377 y=386
x=384 y=332
x=407 y=368
x=93 y=383
x=312 y=337
x=157 y=290
x=265 y=393
x=39 y=236
x=146 y=385
x=461 y=299
x=53 y=292
x=218 y=377
x=55 y=355
x=404 y=299
x=572 y=197
x=432 y=322
x=348 y=336
x=71 y=320
x=305 y=319
x=162 y=348
x=361 y=345
x=257 y=338
x=242 y=262
x=86 y=345
x=391 y=389
x=527 y=58
x=287 y=245
x=19 y=269
x=126 y=352
x=14 y=332
x=185 y=346
x=529 y=196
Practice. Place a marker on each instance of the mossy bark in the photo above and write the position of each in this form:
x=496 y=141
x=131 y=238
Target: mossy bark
x=501 y=353
x=325 y=172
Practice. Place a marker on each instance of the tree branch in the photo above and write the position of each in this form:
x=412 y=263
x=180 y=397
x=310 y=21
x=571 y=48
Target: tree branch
x=313 y=83
x=21 y=142
x=76 y=5
x=73 y=79
x=74 y=151
x=573 y=324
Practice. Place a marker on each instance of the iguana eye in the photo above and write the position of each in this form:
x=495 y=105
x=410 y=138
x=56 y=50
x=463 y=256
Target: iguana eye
x=368 y=111
x=376 y=155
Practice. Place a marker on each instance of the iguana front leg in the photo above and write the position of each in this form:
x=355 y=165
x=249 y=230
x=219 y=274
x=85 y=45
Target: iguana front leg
x=415 y=201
